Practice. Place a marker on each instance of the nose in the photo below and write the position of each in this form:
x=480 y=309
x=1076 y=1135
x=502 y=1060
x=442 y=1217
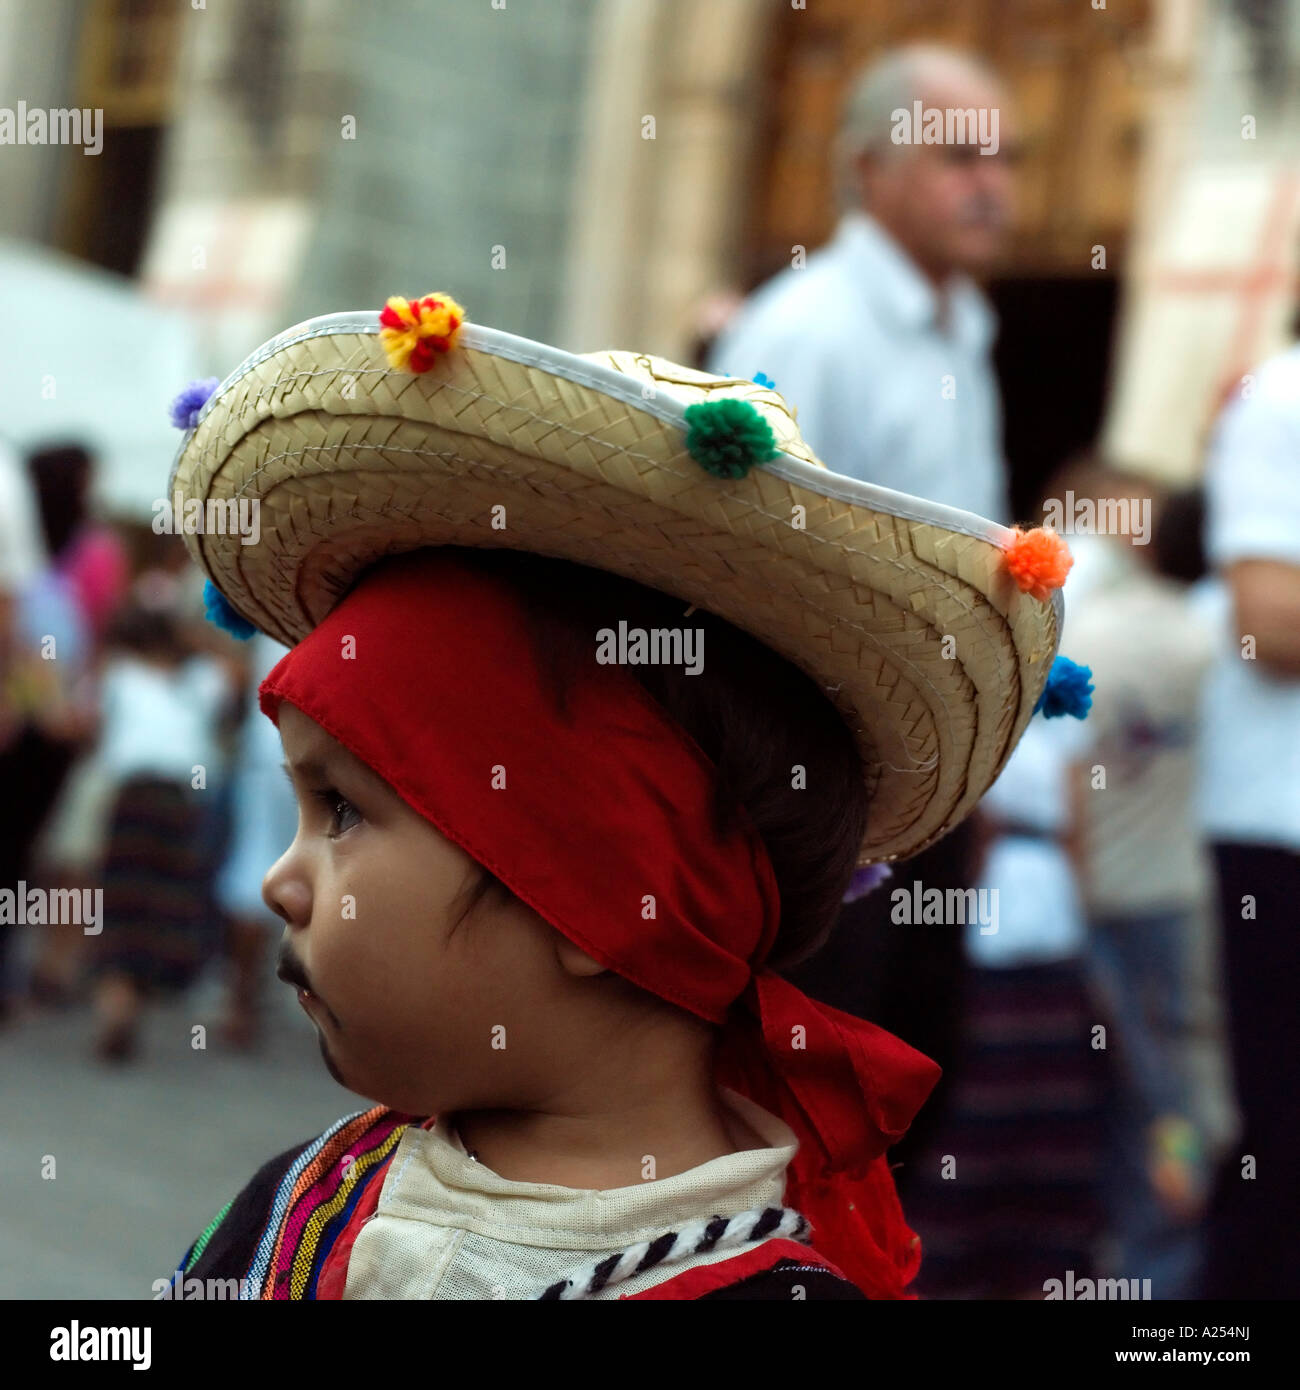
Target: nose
x=286 y=890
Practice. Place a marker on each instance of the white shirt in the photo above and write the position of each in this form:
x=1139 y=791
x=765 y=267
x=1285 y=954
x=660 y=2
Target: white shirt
x=160 y=723
x=1250 y=751
x=22 y=547
x=1039 y=915
x=264 y=814
x=1149 y=645
x=852 y=341
x=447 y=1227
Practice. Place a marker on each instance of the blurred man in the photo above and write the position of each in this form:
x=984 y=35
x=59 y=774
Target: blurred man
x=1250 y=806
x=882 y=343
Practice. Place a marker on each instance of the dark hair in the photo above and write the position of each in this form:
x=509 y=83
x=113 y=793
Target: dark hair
x=146 y=632
x=60 y=475
x=752 y=712
x=1178 y=543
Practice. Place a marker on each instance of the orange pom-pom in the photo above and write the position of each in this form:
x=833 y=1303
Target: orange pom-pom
x=415 y=331
x=1038 y=561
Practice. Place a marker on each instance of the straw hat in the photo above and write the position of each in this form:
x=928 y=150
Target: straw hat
x=932 y=630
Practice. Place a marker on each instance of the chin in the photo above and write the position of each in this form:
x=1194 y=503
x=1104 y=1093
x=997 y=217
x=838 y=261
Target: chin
x=331 y=1065
x=378 y=1092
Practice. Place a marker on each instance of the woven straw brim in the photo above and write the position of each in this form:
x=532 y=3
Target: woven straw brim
x=900 y=609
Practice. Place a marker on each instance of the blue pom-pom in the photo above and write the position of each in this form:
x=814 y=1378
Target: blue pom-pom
x=764 y=380
x=222 y=615
x=185 y=408
x=1068 y=690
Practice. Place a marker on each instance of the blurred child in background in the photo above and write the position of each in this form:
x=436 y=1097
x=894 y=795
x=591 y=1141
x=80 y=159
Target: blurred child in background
x=161 y=710
x=1145 y=880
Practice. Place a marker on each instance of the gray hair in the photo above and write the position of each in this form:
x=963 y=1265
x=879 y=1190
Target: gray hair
x=894 y=80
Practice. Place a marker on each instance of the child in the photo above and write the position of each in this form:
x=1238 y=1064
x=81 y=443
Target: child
x=161 y=706
x=602 y=686
x=1147 y=885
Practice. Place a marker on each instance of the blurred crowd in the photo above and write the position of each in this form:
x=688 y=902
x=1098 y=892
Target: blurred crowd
x=1120 y=1049
x=1118 y=1052
x=130 y=764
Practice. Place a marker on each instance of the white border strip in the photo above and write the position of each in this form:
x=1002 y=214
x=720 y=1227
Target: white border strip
x=620 y=386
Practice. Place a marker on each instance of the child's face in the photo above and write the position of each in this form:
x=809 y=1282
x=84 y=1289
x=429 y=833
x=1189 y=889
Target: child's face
x=415 y=1008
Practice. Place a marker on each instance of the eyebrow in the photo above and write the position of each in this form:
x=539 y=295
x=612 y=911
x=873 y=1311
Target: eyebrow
x=309 y=767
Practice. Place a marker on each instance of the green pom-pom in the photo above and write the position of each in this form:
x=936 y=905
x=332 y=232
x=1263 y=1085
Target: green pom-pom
x=728 y=437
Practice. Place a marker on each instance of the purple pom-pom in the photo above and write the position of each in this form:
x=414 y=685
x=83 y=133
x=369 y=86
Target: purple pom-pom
x=865 y=880
x=1068 y=690
x=185 y=408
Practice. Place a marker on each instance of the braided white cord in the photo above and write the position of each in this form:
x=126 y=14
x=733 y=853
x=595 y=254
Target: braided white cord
x=739 y=1232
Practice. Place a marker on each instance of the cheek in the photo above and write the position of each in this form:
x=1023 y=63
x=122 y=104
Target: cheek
x=934 y=199
x=403 y=980
x=953 y=190
x=381 y=952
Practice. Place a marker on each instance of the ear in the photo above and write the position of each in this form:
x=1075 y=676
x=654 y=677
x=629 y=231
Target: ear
x=574 y=960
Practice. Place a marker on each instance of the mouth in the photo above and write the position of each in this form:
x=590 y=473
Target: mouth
x=289 y=969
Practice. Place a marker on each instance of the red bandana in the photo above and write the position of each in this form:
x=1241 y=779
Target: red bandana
x=600 y=820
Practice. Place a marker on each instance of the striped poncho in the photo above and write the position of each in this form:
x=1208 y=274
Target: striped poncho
x=289 y=1232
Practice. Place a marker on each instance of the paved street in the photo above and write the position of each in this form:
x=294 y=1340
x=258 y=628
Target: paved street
x=145 y=1154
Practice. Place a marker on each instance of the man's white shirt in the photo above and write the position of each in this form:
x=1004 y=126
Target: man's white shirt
x=1250 y=742
x=883 y=392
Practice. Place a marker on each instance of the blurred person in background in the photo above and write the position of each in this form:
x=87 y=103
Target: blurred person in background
x=54 y=675
x=1145 y=877
x=865 y=336
x=161 y=708
x=883 y=343
x=264 y=821
x=1250 y=808
x=84 y=583
x=22 y=555
x=54 y=626
x=85 y=552
x=1007 y=1194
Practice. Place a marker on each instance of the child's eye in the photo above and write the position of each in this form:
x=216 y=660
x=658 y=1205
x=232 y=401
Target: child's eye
x=343 y=814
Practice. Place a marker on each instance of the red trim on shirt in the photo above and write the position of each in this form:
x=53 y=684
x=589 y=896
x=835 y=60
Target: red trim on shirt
x=333 y=1276
x=695 y=1283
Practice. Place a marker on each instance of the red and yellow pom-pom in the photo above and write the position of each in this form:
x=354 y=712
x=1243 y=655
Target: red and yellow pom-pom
x=415 y=331
x=1038 y=561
